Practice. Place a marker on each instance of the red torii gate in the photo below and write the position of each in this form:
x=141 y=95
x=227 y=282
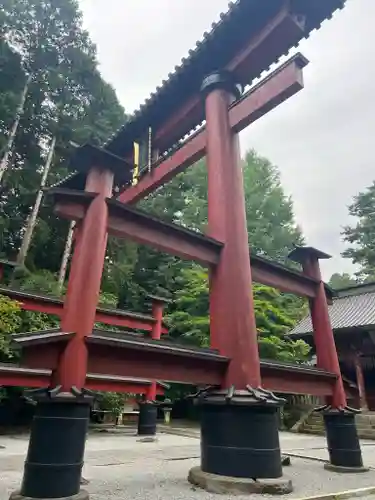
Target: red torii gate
x=241 y=401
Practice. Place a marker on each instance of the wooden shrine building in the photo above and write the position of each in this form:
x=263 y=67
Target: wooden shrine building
x=352 y=316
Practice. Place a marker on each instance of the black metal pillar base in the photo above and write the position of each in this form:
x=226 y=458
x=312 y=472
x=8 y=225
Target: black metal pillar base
x=342 y=440
x=56 y=448
x=147 y=418
x=239 y=433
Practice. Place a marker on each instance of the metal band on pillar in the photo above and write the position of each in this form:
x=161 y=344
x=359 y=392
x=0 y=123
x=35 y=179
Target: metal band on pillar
x=55 y=456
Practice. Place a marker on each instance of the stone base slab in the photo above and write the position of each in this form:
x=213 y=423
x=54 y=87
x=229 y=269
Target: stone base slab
x=82 y=495
x=345 y=470
x=238 y=486
x=148 y=439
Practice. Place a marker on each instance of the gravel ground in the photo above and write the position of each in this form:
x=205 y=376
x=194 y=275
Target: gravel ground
x=122 y=468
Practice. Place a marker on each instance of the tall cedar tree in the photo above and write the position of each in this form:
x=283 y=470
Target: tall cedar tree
x=362 y=235
x=67 y=99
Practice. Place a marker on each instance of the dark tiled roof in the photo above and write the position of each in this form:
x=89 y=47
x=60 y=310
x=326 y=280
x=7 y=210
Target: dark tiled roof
x=243 y=20
x=352 y=311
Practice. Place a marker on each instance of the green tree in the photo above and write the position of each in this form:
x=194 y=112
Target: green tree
x=270 y=218
x=344 y=280
x=112 y=401
x=361 y=236
x=10 y=322
x=271 y=226
x=274 y=318
x=67 y=99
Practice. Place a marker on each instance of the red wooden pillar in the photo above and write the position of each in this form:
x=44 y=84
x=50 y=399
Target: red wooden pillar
x=356 y=358
x=84 y=280
x=232 y=320
x=326 y=352
x=158 y=305
x=228 y=448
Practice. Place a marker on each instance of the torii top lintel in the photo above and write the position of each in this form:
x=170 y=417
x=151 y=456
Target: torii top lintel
x=248 y=39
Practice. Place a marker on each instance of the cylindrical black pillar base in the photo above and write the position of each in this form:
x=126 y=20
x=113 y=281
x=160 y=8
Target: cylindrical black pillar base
x=342 y=439
x=56 y=447
x=147 y=418
x=239 y=434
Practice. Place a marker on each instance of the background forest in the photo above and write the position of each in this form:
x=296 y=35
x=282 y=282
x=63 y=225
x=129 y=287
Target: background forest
x=52 y=95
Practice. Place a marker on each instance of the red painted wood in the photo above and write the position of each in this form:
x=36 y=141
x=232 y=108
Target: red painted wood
x=84 y=282
x=326 y=353
x=297 y=384
x=273 y=90
x=50 y=305
x=124 y=387
x=282 y=380
x=171 y=241
x=168 y=367
x=277 y=278
x=282 y=29
x=151 y=391
x=157 y=313
x=265 y=45
x=232 y=320
x=124 y=222
x=9 y=379
x=155 y=366
x=28 y=377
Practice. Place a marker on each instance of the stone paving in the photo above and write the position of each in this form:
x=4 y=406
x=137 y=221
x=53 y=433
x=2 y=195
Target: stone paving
x=304 y=445
x=121 y=467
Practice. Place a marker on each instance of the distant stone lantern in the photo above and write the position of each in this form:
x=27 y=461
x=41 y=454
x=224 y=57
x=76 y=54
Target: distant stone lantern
x=167 y=410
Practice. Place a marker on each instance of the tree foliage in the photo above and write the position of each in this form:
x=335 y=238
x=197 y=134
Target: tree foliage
x=361 y=236
x=344 y=280
x=275 y=315
x=10 y=322
x=67 y=99
x=270 y=219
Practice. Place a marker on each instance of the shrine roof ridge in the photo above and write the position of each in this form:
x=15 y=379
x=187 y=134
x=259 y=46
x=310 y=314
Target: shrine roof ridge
x=197 y=63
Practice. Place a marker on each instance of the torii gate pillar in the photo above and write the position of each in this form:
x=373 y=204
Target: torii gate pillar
x=339 y=420
x=57 y=442
x=228 y=448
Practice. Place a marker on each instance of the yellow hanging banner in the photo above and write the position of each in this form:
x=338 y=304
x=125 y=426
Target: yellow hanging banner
x=136 y=163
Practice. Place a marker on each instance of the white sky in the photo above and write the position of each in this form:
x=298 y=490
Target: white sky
x=320 y=139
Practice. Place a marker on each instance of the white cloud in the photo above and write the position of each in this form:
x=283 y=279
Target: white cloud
x=320 y=139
